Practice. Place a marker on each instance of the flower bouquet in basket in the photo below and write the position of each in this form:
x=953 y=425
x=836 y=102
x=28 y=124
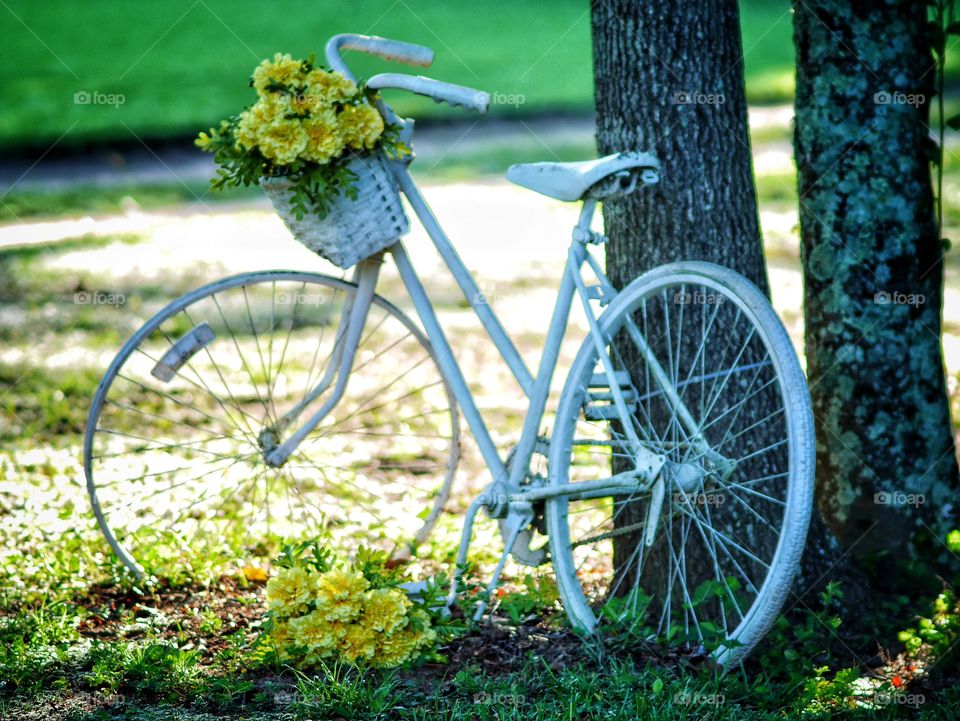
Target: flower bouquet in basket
x=316 y=142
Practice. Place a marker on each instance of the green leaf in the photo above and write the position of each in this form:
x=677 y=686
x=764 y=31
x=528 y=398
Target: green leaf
x=657 y=686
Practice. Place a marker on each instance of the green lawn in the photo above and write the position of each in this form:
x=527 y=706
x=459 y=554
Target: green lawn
x=180 y=65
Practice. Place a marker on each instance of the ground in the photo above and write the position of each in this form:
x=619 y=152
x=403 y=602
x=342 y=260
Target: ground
x=83 y=639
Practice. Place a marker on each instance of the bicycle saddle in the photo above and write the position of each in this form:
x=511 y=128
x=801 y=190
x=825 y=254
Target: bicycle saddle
x=572 y=181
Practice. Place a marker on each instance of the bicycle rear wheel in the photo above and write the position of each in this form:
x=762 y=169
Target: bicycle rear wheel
x=180 y=424
x=728 y=539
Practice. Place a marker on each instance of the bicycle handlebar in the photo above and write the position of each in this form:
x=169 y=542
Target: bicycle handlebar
x=395 y=50
x=436 y=90
x=410 y=54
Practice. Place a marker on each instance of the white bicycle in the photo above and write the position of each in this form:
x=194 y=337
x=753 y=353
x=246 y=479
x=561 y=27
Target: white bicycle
x=680 y=466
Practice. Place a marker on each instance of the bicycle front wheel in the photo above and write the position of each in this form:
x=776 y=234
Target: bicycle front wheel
x=709 y=564
x=186 y=413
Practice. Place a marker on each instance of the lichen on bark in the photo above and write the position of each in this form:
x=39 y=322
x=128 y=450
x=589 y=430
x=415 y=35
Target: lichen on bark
x=873 y=274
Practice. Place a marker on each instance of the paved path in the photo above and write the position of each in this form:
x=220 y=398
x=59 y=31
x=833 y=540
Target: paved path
x=180 y=162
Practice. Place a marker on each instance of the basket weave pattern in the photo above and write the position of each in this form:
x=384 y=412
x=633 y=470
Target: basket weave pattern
x=353 y=229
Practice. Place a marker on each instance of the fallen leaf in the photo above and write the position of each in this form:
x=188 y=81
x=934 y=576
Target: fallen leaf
x=253 y=573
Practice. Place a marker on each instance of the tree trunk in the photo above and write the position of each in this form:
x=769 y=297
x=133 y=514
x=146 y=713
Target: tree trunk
x=669 y=81
x=873 y=271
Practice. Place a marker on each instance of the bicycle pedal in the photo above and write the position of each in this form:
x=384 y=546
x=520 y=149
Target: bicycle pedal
x=600 y=405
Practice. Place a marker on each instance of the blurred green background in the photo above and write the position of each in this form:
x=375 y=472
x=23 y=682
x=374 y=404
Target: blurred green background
x=181 y=65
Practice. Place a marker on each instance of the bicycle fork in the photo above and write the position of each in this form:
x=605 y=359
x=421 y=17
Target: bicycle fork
x=348 y=337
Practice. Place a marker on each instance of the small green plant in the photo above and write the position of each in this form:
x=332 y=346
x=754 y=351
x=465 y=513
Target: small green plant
x=539 y=598
x=935 y=636
x=343 y=690
x=163 y=670
x=798 y=644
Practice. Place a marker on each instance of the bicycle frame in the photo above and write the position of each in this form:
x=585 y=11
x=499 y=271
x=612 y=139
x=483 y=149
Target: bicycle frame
x=505 y=481
x=506 y=496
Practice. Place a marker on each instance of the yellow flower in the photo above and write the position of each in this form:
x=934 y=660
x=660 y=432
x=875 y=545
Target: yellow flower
x=282 y=70
x=308 y=101
x=315 y=633
x=282 y=141
x=254 y=120
x=398 y=648
x=281 y=636
x=385 y=609
x=324 y=141
x=340 y=594
x=395 y=649
x=361 y=125
x=289 y=590
x=332 y=86
x=358 y=642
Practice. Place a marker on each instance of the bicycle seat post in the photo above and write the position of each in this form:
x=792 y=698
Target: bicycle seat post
x=581 y=231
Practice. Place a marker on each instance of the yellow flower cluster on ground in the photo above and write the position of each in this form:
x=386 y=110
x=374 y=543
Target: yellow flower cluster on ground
x=305 y=113
x=336 y=615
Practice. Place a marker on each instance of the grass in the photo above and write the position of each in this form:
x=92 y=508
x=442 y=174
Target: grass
x=177 y=66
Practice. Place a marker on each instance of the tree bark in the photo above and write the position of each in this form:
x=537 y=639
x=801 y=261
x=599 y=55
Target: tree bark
x=887 y=474
x=669 y=80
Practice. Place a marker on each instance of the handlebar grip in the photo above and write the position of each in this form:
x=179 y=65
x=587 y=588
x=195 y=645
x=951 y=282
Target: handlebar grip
x=437 y=90
x=385 y=48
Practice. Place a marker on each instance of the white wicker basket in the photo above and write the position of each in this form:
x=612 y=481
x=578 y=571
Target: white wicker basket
x=352 y=229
